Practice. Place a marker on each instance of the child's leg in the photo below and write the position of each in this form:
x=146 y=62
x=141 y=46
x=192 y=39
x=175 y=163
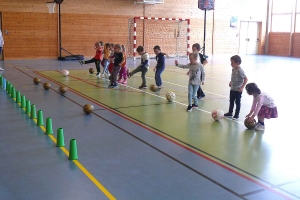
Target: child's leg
x=97 y=63
x=89 y=61
x=238 y=96
x=120 y=75
x=105 y=66
x=158 y=73
x=195 y=89
x=144 y=71
x=261 y=120
x=190 y=94
x=136 y=70
x=114 y=74
x=231 y=101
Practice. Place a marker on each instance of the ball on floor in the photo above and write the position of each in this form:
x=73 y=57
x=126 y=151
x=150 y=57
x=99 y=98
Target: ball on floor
x=250 y=125
x=63 y=89
x=153 y=88
x=47 y=86
x=91 y=70
x=170 y=96
x=88 y=108
x=65 y=72
x=217 y=114
x=36 y=80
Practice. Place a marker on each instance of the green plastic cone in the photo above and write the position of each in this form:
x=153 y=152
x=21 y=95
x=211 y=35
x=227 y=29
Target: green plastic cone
x=40 y=118
x=33 y=112
x=1 y=80
x=49 y=130
x=8 y=86
x=18 y=97
x=28 y=106
x=23 y=101
x=73 y=150
x=13 y=92
x=60 y=138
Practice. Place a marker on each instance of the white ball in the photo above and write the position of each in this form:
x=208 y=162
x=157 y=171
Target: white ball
x=217 y=114
x=65 y=72
x=170 y=96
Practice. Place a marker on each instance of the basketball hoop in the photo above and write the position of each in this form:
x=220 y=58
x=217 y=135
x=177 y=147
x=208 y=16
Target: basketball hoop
x=51 y=6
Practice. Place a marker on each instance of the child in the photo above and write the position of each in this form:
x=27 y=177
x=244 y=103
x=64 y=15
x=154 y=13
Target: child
x=1 y=46
x=237 y=84
x=160 y=66
x=105 y=61
x=196 y=48
x=196 y=77
x=143 y=67
x=118 y=55
x=263 y=106
x=97 y=58
x=123 y=73
x=111 y=58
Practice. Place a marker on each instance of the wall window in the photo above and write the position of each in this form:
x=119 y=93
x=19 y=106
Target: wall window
x=282 y=15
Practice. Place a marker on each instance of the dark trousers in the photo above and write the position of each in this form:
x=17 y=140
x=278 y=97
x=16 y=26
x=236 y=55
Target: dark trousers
x=200 y=92
x=158 y=76
x=114 y=74
x=235 y=96
x=97 y=63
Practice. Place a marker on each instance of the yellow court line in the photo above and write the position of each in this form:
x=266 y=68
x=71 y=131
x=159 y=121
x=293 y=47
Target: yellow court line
x=79 y=165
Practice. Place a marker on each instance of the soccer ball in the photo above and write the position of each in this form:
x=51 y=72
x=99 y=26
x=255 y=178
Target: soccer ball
x=250 y=125
x=170 y=96
x=65 y=72
x=217 y=114
x=153 y=88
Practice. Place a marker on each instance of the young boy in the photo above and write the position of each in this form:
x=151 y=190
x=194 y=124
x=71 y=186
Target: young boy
x=196 y=48
x=118 y=55
x=160 y=66
x=237 y=84
x=143 y=67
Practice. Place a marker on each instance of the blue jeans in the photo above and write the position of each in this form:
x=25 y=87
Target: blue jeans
x=158 y=77
x=192 y=94
x=106 y=62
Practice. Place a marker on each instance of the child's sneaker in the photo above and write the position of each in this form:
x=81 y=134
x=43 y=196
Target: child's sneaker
x=195 y=106
x=200 y=98
x=143 y=87
x=124 y=82
x=115 y=85
x=260 y=128
x=81 y=62
x=235 y=117
x=98 y=74
x=228 y=115
x=1 y=69
x=189 y=109
x=120 y=80
x=111 y=86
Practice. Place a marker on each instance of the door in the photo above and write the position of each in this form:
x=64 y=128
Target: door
x=249 y=38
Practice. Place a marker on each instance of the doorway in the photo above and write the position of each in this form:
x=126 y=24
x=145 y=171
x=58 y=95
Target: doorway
x=249 y=37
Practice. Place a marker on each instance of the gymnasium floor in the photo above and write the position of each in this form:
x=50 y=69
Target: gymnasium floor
x=136 y=145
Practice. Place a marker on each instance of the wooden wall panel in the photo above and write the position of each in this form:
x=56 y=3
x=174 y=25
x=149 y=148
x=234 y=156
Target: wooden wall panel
x=296 y=45
x=279 y=44
x=84 y=22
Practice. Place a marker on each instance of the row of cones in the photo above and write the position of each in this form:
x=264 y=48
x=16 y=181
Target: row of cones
x=30 y=109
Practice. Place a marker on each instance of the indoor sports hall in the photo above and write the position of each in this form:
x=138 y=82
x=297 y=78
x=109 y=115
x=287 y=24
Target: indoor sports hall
x=134 y=143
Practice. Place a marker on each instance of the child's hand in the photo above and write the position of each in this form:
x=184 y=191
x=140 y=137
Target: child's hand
x=241 y=89
x=154 y=69
x=250 y=119
x=202 y=83
x=230 y=84
x=176 y=62
x=188 y=73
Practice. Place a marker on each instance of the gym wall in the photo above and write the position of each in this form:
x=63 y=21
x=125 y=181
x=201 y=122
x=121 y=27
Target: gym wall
x=33 y=32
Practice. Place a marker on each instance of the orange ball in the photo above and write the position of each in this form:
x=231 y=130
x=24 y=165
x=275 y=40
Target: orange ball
x=36 y=80
x=88 y=108
x=47 y=86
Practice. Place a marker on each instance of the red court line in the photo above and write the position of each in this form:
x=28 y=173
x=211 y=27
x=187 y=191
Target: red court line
x=161 y=135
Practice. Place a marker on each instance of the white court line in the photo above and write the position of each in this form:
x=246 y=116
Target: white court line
x=176 y=101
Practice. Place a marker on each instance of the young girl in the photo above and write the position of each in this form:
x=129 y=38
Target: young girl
x=196 y=77
x=97 y=58
x=105 y=62
x=118 y=55
x=123 y=74
x=160 y=66
x=111 y=58
x=263 y=106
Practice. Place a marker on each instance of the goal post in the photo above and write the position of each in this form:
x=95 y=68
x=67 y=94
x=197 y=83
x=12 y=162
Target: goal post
x=171 y=34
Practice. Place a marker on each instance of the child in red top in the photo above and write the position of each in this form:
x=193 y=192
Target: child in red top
x=122 y=73
x=97 y=58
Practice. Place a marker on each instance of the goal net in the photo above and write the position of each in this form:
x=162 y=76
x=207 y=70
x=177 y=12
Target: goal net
x=171 y=34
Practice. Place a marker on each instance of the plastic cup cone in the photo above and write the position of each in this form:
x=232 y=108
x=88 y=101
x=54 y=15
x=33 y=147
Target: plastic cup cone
x=49 y=130
x=13 y=92
x=60 y=142
x=8 y=86
x=28 y=106
x=4 y=83
x=1 y=80
x=23 y=101
x=33 y=112
x=40 y=118
x=73 y=150
x=18 y=97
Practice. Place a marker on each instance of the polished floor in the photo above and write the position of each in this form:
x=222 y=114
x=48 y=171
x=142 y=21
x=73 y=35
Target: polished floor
x=136 y=145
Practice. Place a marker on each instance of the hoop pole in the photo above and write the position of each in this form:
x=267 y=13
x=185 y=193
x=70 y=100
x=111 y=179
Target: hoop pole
x=59 y=31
